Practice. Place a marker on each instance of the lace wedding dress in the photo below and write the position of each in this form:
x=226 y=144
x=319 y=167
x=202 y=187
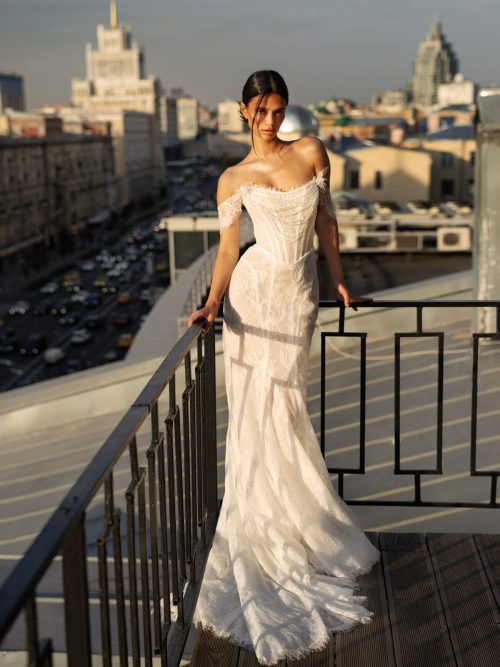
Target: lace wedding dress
x=281 y=570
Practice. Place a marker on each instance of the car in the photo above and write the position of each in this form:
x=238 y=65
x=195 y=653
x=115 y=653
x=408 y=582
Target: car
x=111 y=355
x=88 y=265
x=53 y=354
x=42 y=307
x=123 y=320
x=80 y=336
x=62 y=307
x=49 y=288
x=68 y=320
x=146 y=294
x=124 y=297
x=125 y=340
x=93 y=300
x=93 y=322
x=8 y=340
x=100 y=282
x=79 y=297
x=33 y=344
x=19 y=308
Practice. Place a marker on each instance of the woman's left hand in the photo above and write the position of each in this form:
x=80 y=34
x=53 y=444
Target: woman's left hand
x=348 y=299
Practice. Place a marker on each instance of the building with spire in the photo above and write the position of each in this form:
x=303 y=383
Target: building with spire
x=117 y=90
x=436 y=63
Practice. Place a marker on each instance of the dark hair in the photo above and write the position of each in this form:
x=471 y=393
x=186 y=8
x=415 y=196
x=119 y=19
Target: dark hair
x=263 y=82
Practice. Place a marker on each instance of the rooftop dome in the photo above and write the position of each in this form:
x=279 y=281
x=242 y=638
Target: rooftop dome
x=299 y=119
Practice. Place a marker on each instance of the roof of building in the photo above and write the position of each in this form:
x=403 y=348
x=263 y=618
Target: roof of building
x=463 y=132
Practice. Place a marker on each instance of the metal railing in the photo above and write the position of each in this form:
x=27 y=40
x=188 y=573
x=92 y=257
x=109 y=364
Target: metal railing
x=165 y=526
x=419 y=333
x=158 y=541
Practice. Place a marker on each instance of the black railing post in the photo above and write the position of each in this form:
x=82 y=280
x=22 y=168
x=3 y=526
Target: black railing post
x=76 y=596
x=211 y=440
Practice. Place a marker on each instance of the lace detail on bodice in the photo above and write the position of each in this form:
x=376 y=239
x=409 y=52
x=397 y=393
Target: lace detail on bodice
x=230 y=209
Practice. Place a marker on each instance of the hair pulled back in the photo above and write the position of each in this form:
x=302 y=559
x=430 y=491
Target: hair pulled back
x=262 y=83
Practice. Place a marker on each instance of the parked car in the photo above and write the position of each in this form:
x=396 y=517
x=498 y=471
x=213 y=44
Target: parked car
x=62 y=307
x=49 y=288
x=19 y=308
x=124 y=297
x=68 y=320
x=80 y=336
x=8 y=340
x=76 y=364
x=93 y=300
x=125 y=340
x=146 y=294
x=33 y=344
x=79 y=297
x=123 y=319
x=52 y=355
x=88 y=265
x=42 y=307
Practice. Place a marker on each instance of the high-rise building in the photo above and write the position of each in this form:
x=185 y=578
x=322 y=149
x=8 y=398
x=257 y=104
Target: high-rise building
x=229 y=119
x=116 y=83
x=435 y=63
x=115 y=73
x=11 y=92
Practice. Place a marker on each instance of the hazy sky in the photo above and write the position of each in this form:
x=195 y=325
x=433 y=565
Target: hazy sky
x=322 y=48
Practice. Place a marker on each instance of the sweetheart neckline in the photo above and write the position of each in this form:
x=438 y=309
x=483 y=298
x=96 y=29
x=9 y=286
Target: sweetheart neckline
x=314 y=178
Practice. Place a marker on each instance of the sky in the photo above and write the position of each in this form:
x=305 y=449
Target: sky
x=322 y=48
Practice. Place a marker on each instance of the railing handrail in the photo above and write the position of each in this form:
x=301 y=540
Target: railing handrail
x=29 y=570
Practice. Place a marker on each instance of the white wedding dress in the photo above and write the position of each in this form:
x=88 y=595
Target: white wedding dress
x=281 y=570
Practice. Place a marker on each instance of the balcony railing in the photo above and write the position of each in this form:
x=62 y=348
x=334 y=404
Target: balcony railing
x=154 y=531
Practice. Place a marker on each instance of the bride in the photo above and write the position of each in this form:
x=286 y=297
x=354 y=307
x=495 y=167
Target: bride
x=281 y=571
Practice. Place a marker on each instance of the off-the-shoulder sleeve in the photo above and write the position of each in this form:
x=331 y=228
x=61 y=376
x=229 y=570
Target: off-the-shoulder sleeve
x=325 y=202
x=229 y=210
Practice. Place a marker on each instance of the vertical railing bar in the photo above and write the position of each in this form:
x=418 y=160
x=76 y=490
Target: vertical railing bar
x=187 y=458
x=143 y=549
x=323 y=390
x=194 y=478
x=132 y=574
x=120 y=590
x=397 y=389
x=211 y=419
x=32 y=631
x=165 y=566
x=76 y=596
x=108 y=499
x=134 y=464
x=180 y=493
x=440 y=398
x=204 y=476
x=153 y=536
x=104 y=597
x=362 y=403
x=473 y=421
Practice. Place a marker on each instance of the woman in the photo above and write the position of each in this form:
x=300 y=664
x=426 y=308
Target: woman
x=281 y=571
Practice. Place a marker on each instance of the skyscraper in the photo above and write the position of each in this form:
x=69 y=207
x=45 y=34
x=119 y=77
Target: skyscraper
x=435 y=63
x=115 y=78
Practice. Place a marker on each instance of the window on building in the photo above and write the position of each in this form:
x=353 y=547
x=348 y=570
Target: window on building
x=472 y=158
x=354 y=180
x=447 y=187
x=378 y=180
x=447 y=160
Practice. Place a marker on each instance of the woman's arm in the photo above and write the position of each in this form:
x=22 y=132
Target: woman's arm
x=226 y=259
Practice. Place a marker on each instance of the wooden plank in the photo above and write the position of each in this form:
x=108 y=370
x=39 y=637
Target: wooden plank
x=369 y=644
x=469 y=606
x=419 y=630
x=212 y=651
x=489 y=550
x=248 y=659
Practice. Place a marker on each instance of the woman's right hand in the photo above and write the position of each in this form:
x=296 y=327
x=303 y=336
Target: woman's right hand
x=208 y=312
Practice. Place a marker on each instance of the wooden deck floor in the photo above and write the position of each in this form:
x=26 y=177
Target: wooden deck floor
x=436 y=598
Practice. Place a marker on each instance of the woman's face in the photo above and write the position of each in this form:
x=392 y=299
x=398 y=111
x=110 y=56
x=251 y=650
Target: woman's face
x=269 y=114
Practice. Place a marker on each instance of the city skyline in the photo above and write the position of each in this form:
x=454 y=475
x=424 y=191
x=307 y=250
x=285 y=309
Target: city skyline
x=179 y=37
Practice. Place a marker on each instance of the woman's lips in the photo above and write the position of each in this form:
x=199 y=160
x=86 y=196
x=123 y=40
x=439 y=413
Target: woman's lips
x=268 y=131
